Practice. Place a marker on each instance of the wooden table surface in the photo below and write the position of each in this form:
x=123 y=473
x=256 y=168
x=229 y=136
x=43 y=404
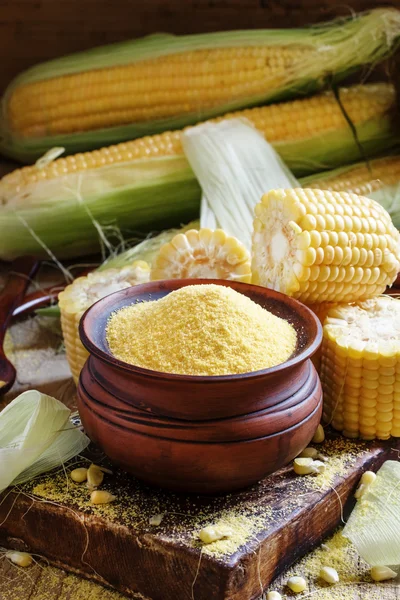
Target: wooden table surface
x=35 y=345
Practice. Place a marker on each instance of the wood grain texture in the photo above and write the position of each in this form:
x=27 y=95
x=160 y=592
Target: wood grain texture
x=290 y=519
x=32 y=31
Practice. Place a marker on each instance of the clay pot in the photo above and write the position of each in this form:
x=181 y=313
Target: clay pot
x=199 y=434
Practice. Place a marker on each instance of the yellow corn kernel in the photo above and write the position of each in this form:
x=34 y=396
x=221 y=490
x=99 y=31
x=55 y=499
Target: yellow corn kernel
x=101 y=497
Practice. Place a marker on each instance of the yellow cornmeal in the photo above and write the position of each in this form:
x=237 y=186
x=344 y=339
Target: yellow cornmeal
x=200 y=330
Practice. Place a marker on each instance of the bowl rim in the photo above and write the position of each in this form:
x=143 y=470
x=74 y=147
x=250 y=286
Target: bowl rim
x=111 y=360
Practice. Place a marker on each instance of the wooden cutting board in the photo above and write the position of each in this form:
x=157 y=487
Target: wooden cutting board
x=273 y=524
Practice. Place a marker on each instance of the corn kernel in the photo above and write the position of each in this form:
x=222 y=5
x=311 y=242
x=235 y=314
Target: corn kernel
x=297 y=584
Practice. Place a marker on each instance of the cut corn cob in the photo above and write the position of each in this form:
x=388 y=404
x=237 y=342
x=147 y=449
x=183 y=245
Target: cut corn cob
x=203 y=254
x=146 y=86
x=148 y=183
x=378 y=180
x=360 y=371
x=85 y=291
x=322 y=246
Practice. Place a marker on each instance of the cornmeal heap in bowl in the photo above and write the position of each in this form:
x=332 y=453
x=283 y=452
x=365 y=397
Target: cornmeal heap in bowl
x=200 y=330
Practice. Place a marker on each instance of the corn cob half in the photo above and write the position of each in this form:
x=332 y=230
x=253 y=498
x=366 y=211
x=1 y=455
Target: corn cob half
x=148 y=183
x=160 y=82
x=360 y=371
x=85 y=291
x=203 y=254
x=322 y=246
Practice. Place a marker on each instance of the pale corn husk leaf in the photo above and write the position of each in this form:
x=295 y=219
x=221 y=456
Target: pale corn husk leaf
x=235 y=166
x=333 y=50
x=35 y=436
x=374 y=524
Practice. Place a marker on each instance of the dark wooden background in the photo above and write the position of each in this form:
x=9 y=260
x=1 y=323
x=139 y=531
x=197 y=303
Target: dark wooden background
x=35 y=30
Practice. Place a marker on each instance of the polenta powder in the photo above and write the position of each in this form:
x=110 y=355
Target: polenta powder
x=200 y=330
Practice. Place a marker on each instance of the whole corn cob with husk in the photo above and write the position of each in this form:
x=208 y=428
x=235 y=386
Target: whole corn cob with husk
x=321 y=246
x=379 y=179
x=148 y=184
x=203 y=254
x=160 y=82
x=360 y=370
x=85 y=291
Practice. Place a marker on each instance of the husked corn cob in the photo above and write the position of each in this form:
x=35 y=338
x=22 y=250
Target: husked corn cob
x=148 y=183
x=85 y=291
x=203 y=254
x=360 y=178
x=322 y=246
x=360 y=370
x=144 y=86
x=378 y=180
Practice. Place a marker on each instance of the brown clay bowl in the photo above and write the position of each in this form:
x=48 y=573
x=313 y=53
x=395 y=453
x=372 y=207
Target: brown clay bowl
x=241 y=428
x=253 y=425
x=197 y=397
x=193 y=466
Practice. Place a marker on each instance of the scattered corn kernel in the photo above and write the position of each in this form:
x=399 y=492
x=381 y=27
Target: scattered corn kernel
x=79 y=475
x=308 y=453
x=274 y=596
x=368 y=477
x=213 y=533
x=155 y=520
x=22 y=559
x=329 y=574
x=297 y=584
x=382 y=573
x=303 y=466
x=95 y=477
x=101 y=497
x=319 y=435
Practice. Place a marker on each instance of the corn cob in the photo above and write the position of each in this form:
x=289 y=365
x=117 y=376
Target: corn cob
x=360 y=371
x=379 y=180
x=322 y=246
x=146 y=86
x=148 y=183
x=85 y=291
x=203 y=254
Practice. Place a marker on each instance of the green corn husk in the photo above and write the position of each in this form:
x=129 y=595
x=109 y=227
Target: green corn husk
x=378 y=179
x=336 y=49
x=78 y=213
